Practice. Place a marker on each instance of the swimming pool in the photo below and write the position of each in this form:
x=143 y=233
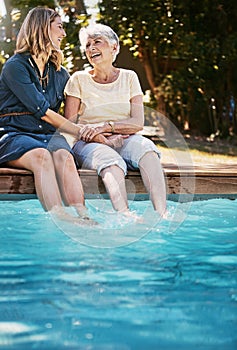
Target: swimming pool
x=168 y=289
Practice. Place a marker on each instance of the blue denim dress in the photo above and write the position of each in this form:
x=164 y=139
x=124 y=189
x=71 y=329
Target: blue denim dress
x=23 y=102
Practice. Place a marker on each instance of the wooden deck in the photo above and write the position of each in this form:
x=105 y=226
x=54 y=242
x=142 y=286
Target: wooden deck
x=185 y=183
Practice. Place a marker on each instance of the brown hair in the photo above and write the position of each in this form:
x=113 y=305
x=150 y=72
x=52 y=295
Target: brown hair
x=34 y=36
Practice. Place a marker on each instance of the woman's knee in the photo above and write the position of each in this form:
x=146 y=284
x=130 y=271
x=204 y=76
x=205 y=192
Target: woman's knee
x=41 y=158
x=35 y=159
x=112 y=169
x=63 y=158
x=137 y=148
x=117 y=167
x=150 y=154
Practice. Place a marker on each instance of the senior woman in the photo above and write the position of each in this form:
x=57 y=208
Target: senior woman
x=111 y=100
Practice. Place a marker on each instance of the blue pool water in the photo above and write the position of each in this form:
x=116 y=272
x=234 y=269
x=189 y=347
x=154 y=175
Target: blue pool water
x=168 y=289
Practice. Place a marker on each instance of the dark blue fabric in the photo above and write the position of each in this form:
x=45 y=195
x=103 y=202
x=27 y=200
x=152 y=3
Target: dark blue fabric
x=16 y=144
x=20 y=91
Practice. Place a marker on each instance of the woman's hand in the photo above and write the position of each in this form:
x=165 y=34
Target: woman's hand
x=87 y=133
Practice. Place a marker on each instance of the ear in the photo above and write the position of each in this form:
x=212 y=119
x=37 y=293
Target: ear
x=114 y=47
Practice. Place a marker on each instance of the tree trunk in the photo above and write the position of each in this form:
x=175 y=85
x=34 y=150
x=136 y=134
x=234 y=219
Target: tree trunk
x=146 y=62
x=8 y=32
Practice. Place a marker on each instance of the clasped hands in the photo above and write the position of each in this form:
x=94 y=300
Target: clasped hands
x=88 y=133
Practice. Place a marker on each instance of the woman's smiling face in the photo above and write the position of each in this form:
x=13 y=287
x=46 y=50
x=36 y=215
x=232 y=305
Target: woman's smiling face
x=98 y=49
x=57 y=32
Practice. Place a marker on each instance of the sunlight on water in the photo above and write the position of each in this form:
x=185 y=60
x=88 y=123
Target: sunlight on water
x=120 y=285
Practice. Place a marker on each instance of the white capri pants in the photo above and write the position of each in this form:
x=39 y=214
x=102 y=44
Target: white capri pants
x=97 y=156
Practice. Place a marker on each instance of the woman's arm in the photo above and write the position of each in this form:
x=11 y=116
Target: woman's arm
x=131 y=125
x=72 y=105
x=59 y=122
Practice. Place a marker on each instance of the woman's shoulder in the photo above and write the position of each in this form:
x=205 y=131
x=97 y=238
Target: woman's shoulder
x=16 y=63
x=16 y=58
x=80 y=76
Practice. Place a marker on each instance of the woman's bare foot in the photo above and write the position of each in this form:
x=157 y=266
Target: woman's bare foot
x=131 y=215
x=82 y=212
x=58 y=212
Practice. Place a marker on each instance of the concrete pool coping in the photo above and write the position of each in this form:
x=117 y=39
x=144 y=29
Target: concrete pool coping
x=184 y=183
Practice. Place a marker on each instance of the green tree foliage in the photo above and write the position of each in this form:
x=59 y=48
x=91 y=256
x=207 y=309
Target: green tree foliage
x=16 y=12
x=189 y=51
x=73 y=14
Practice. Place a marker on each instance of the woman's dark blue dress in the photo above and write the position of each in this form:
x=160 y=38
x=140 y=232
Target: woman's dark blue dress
x=23 y=101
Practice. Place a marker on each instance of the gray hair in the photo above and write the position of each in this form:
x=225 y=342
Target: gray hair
x=98 y=30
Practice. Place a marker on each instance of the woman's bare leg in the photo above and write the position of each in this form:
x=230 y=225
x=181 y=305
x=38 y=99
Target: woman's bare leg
x=40 y=162
x=153 y=178
x=69 y=181
x=114 y=181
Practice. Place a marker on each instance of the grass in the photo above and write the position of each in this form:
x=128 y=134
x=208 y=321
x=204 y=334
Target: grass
x=196 y=157
x=201 y=152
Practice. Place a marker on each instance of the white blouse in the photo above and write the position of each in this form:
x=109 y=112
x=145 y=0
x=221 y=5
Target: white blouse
x=103 y=102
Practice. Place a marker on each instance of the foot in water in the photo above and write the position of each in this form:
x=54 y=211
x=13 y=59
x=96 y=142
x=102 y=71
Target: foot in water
x=131 y=215
x=83 y=214
x=59 y=213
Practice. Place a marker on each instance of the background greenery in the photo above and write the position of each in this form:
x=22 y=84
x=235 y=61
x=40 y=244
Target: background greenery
x=187 y=49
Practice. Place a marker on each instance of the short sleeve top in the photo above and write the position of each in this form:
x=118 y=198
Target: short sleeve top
x=103 y=102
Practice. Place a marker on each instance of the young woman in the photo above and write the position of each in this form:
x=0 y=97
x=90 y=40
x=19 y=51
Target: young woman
x=31 y=91
x=111 y=100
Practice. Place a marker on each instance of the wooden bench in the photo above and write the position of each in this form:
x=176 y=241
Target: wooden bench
x=183 y=184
